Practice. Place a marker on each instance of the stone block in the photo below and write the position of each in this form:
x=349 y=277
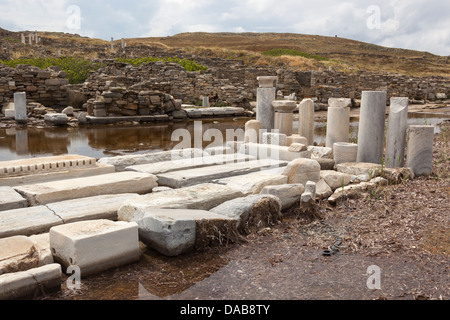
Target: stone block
x=185 y=178
x=173 y=232
x=95 y=246
x=289 y=194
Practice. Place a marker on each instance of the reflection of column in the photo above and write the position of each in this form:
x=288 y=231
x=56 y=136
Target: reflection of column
x=284 y=116
x=306 y=120
x=371 y=126
x=22 y=142
x=338 y=121
x=266 y=94
x=420 y=150
x=396 y=134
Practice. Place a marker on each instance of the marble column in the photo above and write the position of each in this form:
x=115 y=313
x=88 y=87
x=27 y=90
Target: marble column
x=396 y=133
x=266 y=94
x=344 y=152
x=306 y=120
x=372 y=123
x=338 y=121
x=284 y=116
x=20 y=107
x=419 y=156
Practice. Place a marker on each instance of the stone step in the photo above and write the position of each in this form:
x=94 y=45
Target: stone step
x=113 y=183
x=199 y=197
x=10 y=199
x=173 y=232
x=35 y=220
x=185 y=178
x=122 y=162
x=46 y=164
x=70 y=173
x=191 y=163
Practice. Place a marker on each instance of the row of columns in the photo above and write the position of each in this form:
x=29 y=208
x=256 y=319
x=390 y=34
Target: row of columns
x=373 y=140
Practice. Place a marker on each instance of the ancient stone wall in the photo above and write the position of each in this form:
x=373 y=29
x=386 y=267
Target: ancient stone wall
x=43 y=86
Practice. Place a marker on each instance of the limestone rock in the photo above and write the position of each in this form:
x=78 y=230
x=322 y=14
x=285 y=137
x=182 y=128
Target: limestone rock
x=56 y=119
x=302 y=171
x=17 y=254
x=335 y=179
x=289 y=194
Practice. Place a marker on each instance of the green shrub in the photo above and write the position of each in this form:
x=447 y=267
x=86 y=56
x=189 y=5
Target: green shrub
x=292 y=52
x=77 y=69
x=188 y=65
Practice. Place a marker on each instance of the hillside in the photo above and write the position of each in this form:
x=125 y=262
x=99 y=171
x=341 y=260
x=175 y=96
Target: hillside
x=342 y=54
x=313 y=51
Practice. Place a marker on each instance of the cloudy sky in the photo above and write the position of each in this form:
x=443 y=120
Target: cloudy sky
x=410 y=24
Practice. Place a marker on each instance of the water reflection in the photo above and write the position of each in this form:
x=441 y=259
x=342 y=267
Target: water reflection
x=113 y=140
x=100 y=141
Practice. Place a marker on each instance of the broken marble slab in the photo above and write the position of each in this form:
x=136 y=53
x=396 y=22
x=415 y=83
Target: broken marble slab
x=254 y=183
x=27 y=221
x=191 y=163
x=185 y=178
x=199 y=197
x=10 y=199
x=122 y=162
x=90 y=208
x=113 y=183
x=33 y=220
